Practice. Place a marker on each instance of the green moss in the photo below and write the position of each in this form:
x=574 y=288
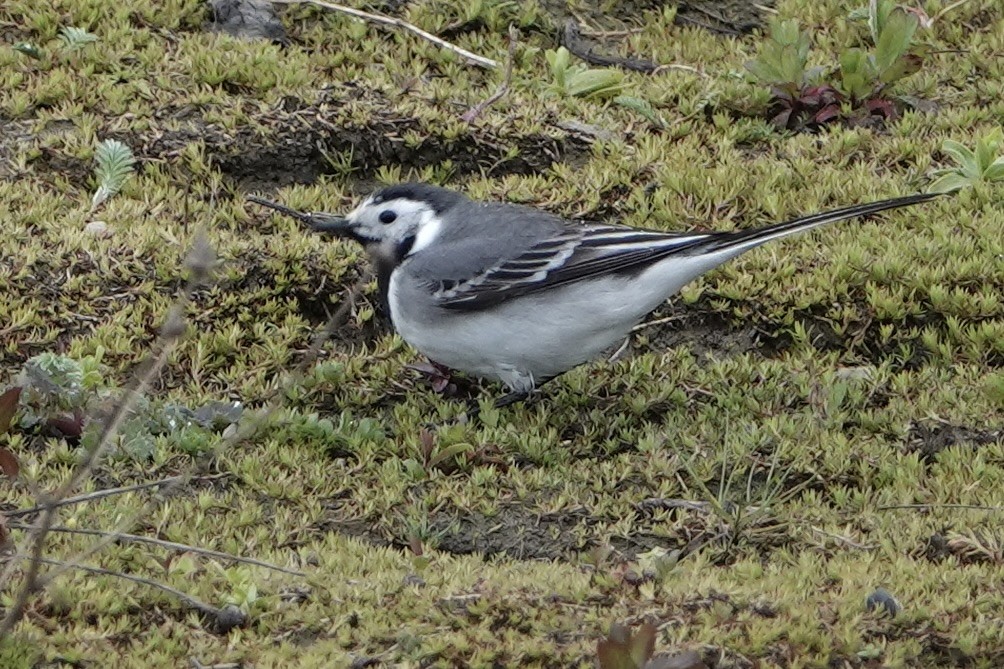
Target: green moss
x=798 y=397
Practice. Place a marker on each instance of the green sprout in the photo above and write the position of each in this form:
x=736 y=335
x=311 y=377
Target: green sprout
x=75 y=38
x=28 y=49
x=783 y=57
x=983 y=165
x=579 y=81
x=114 y=166
x=853 y=88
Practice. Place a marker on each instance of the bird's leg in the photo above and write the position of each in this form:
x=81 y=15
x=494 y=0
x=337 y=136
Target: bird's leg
x=517 y=396
x=512 y=398
x=440 y=376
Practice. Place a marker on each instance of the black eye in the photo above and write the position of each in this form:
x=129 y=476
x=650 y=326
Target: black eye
x=387 y=216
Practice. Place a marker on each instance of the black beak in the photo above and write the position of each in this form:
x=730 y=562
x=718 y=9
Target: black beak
x=321 y=222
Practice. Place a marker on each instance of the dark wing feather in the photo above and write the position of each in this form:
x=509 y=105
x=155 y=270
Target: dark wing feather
x=590 y=251
x=598 y=250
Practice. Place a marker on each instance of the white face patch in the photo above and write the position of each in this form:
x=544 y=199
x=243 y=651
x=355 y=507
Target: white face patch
x=428 y=230
x=354 y=215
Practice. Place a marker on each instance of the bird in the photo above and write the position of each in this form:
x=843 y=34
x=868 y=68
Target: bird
x=514 y=294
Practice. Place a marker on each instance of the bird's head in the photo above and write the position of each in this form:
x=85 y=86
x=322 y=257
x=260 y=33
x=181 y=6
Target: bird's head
x=395 y=221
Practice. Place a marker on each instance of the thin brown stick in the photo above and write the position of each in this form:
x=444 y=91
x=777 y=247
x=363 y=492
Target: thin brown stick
x=249 y=427
x=199 y=264
x=940 y=15
x=31 y=576
x=140 y=539
x=51 y=502
x=381 y=19
x=503 y=88
x=572 y=40
x=97 y=494
x=847 y=541
x=197 y=604
x=931 y=507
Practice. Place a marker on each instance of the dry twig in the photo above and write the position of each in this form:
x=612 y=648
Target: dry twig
x=139 y=539
x=199 y=263
x=572 y=40
x=248 y=427
x=381 y=19
x=97 y=494
x=197 y=604
x=503 y=88
x=932 y=507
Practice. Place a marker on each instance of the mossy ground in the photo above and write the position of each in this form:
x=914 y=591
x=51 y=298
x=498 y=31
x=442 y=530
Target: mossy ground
x=795 y=394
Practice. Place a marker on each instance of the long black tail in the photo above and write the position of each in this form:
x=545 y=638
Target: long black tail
x=744 y=240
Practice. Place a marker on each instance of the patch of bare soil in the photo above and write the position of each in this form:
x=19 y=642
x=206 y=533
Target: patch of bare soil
x=708 y=334
x=724 y=17
x=13 y=136
x=515 y=531
x=296 y=141
x=292 y=143
x=930 y=438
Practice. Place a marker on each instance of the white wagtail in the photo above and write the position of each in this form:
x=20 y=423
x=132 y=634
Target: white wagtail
x=518 y=295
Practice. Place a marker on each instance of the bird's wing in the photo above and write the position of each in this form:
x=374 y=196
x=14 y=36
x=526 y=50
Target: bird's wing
x=576 y=253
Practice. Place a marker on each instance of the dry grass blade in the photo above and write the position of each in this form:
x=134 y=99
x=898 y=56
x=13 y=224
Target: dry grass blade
x=97 y=494
x=139 y=539
x=932 y=507
x=170 y=335
x=503 y=88
x=247 y=429
x=474 y=58
x=196 y=604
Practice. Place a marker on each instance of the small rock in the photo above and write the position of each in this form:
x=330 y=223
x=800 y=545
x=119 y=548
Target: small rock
x=228 y=618
x=687 y=660
x=98 y=229
x=250 y=19
x=414 y=579
x=881 y=599
x=631 y=577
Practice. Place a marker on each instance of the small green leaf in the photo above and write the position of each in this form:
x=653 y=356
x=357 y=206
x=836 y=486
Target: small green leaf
x=28 y=49
x=641 y=107
x=878 y=15
x=782 y=56
x=894 y=39
x=994 y=138
x=596 y=84
x=984 y=154
x=947 y=183
x=764 y=71
x=558 y=60
x=74 y=37
x=857 y=74
x=964 y=157
x=114 y=166
x=903 y=67
x=451 y=452
x=995 y=172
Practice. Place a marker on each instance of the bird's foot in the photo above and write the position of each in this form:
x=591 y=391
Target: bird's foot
x=514 y=397
x=440 y=377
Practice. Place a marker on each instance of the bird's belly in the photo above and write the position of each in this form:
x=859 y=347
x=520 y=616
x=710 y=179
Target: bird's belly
x=528 y=339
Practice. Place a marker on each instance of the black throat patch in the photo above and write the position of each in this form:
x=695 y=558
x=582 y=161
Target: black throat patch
x=403 y=248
